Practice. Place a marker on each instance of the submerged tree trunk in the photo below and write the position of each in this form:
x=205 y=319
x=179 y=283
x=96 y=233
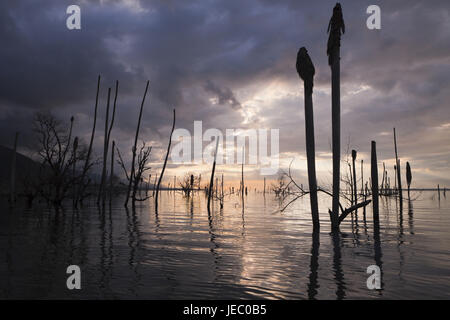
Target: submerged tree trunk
x=133 y=159
x=335 y=27
x=306 y=71
x=105 y=151
x=408 y=177
x=89 y=152
x=374 y=179
x=399 y=171
x=355 y=191
x=165 y=162
x=211 y=181
x=362 y=176
x=242 y=177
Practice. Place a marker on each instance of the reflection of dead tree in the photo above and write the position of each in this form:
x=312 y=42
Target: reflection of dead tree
x=58 y=156
x=138 y=174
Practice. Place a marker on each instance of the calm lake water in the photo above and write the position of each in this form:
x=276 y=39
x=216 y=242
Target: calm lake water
x=184 y=253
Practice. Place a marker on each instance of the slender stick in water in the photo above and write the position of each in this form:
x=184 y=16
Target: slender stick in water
x=105 y=151
x=408 y=177
x=89 y=152
x=374 y=179
x=211 y=181
x=165 y=162
x=399 y=171
x=135 y=146
x=355 y=192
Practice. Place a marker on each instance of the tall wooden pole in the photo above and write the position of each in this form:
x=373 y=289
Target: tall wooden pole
x=264 y=192
x=306 y=71
x=105 y=151
x=362 y=176
x=355 y=191
x=399 y=171
x=335 y=27
x=242 y=174
x=374 y=179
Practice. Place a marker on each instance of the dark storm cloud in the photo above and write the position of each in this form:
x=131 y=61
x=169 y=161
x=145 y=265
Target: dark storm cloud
x=196 y=51
x=224 y=95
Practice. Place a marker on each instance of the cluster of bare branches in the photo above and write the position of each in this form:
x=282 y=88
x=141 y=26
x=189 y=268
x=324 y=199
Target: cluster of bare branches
x=287 y=188
x=59 y=153
x=189 y=183
x=136 y=177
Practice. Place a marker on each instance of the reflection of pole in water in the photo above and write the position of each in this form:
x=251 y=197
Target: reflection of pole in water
x=377 y=249
x=410 y=217
x=337 y=266
x=314 y=266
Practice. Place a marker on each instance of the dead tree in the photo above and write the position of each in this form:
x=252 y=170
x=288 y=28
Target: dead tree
x=56 y=150
x=211 y=181
x=335 y=27
x=408 y=177
x=87 y=164
x=139 y=171
x=264 y=192
x=108 y=129
x=105 y=151
x=374 y=178
x=306 y=71
x=133 y=159
x=362 y=176
x=165 y=162
x=355 y=192
x=399 y=171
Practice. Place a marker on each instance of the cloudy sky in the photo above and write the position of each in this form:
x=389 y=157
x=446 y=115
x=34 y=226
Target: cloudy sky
x=231 y=64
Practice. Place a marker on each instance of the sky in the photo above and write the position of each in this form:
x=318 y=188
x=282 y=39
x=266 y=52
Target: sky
x=231 y=64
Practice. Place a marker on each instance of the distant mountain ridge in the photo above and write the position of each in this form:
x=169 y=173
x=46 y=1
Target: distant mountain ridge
x=25 y=168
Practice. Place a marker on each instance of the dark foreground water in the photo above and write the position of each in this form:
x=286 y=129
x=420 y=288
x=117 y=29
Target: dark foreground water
x=184 y=253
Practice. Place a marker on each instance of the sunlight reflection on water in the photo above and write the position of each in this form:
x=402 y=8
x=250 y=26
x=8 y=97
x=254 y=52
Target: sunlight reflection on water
x=185 y=253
